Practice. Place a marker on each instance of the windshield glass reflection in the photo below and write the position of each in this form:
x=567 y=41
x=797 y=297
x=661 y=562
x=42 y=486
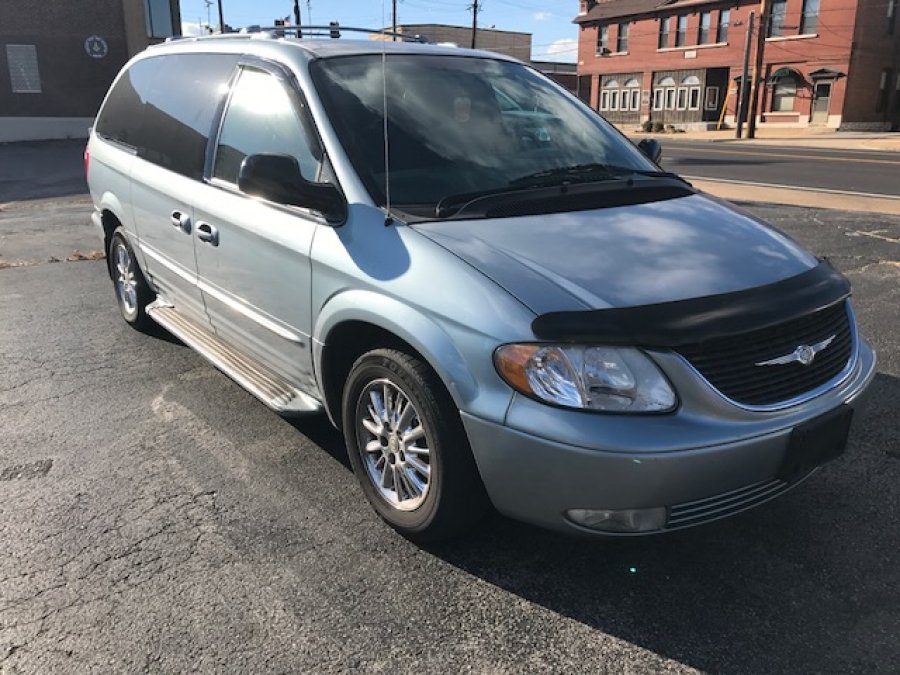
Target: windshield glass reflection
x=459 y=124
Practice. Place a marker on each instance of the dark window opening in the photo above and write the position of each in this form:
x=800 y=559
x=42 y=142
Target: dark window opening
x=664 y=32
x=602 y=39
x=722 y=30
x=809 y=21
x=776 y=18
x=705 y=23
x=622 y=38
x=681 y=31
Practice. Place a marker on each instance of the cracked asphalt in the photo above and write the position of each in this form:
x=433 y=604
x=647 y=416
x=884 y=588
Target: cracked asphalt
x=154 y=517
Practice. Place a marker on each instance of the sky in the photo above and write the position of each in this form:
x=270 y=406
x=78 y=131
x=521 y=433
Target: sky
x=550 y=23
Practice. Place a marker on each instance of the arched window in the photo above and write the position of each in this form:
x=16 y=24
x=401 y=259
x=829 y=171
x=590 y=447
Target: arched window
x=691 y=83
x=784 y=94
x=631 y=98
x=609 y=96
x=666 y=82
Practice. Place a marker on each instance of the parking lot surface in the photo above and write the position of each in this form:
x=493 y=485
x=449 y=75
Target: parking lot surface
x=157 y=518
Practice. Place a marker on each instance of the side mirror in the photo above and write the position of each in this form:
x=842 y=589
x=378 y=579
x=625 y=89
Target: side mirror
x=277 y=178
x=652 y=148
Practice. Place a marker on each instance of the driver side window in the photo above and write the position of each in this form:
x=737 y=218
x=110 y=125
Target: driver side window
x=262 y=118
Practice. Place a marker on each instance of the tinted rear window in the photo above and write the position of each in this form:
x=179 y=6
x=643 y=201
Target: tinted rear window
x=164 y=107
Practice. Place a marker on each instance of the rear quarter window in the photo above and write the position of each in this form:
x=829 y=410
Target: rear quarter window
x=164 y=107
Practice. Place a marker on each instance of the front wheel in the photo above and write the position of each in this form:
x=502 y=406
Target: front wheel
x=408 y=447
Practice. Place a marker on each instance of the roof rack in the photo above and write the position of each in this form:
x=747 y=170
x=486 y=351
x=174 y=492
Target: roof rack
x=333 y=30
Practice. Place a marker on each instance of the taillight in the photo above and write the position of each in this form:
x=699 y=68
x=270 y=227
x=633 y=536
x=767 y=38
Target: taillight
x=87 y=160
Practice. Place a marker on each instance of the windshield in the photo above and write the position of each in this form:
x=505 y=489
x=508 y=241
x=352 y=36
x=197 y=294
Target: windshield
x=459 y=125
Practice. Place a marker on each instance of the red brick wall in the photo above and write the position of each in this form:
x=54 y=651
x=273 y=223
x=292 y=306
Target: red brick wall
x=830 y=48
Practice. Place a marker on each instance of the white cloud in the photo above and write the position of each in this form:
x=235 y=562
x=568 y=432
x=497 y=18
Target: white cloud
x=541 y=16
x=565 y=50
x=190 y=28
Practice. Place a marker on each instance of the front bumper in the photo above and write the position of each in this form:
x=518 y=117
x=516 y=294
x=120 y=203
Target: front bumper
x=699 y=468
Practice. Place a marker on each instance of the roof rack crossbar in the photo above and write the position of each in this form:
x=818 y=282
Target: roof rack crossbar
x=321 y=31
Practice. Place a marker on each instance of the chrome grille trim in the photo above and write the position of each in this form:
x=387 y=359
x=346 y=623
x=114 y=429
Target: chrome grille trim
x=729 y=503
x=801 y=398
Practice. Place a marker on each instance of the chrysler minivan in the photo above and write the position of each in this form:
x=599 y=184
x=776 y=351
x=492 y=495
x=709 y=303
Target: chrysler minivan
x=500 y=300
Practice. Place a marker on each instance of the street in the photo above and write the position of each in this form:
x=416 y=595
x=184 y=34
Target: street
x=868 y=172
x=157 y=518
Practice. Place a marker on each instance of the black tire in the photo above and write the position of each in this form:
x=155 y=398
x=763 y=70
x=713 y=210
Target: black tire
x=454 y=499
x=133 y=293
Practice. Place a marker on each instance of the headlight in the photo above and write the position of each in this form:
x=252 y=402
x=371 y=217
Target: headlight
x=613 y=379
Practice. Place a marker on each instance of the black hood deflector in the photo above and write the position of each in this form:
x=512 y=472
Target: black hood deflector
x=683 y=322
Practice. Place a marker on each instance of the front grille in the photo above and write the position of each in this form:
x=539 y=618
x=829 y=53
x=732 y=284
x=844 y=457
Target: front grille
x=729 y=364
x=727 y=503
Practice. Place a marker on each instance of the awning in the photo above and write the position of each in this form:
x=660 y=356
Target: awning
x=825 y=74
x=784 y=73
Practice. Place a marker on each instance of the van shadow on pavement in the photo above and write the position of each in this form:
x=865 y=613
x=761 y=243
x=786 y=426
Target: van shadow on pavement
x=806 y=583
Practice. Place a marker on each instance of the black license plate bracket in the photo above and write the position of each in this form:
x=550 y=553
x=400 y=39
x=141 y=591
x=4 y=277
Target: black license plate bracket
x=816 y=442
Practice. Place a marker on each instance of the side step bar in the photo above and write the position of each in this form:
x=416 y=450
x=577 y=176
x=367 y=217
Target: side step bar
x=269 y=387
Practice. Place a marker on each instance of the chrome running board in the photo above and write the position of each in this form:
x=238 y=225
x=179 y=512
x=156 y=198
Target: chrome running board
x=269 y=387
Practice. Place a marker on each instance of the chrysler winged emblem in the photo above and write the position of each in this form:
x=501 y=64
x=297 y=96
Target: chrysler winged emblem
x=804 y=354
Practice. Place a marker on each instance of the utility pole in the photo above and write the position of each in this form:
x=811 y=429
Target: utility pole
x=221 y=19
x=474 y=8
x=394 y=22
x=765 y=17
x=298 y=21
x=742 y=95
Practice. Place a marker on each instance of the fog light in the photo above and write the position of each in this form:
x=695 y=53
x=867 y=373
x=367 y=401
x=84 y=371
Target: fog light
x=626 y=520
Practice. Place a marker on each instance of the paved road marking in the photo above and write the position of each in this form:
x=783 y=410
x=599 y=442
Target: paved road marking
x=849 y=193
x=797 y=156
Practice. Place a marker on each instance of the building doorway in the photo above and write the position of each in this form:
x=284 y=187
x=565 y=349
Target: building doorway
x=821 y=101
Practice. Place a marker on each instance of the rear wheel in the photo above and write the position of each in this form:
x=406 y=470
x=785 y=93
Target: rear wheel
x=408 y=447
x=133 y=293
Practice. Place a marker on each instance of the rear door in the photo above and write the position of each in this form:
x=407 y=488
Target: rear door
x=255 y=271
x=181 y=95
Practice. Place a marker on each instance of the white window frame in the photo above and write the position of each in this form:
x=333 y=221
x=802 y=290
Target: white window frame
x=659 y=99
x=604 y=99
x=670 y=98
x=636 y=98
x=613 y=99
x=691 y=92
x=681 y=99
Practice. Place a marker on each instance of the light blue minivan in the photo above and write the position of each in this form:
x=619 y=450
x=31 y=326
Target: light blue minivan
x=498 y=299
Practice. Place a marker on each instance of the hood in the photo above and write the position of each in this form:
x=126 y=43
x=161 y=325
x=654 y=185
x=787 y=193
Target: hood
x=625 y=256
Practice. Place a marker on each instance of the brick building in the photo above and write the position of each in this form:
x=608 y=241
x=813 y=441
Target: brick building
x=511 y=43
x=833 y=63
x=57 y=59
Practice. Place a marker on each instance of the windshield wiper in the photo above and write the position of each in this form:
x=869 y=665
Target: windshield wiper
x=453 y=203
x=551 y=178
x=587 y=172
x=579 y=172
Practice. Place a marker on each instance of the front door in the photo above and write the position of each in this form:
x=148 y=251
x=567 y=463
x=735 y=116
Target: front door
x=253 y=255
x=821 y=101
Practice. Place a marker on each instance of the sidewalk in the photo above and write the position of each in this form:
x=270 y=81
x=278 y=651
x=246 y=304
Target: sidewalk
x=822 y=139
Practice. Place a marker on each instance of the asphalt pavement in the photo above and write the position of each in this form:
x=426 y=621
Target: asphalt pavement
x=157 y=518
x=863 y=171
